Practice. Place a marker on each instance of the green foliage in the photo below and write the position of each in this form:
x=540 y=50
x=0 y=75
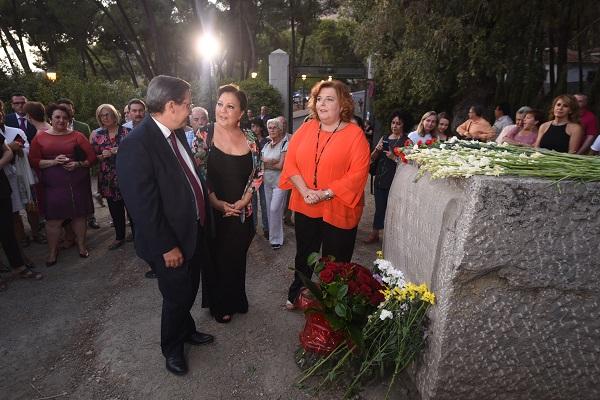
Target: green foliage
x=442 y=55
x=260 y=93
x=87 y=95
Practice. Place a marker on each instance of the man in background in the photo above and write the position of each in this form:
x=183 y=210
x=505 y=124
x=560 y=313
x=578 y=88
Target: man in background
x=136 y=111
x=588 y=122
x=17 y=118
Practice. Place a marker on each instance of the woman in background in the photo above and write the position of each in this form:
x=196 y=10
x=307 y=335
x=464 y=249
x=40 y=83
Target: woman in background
x=563 y=132
x=63 y=157
x=105 y=142
x=273 y=156
x=425 y=130
x=442 y=132
x=383 y=155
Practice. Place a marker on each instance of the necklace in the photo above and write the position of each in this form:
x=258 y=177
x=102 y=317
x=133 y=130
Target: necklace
x=317 y=154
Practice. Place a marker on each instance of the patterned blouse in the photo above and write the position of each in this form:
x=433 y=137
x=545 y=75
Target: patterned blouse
x=200 y=151
x=108 y=185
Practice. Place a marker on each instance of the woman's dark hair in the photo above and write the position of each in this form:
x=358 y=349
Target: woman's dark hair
x=35 y=110
x=53 y=107
x=477 y=109
x=406 y=119
x=445 y=115
x=237 y=92
x=504 y=107
x=258 y=122
x=537 y=115
x=343 y=94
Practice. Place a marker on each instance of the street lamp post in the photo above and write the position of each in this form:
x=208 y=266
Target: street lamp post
x=303 y=90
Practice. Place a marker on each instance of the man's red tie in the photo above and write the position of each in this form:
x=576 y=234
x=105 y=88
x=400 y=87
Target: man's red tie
x=22 y=125
x=192 y=179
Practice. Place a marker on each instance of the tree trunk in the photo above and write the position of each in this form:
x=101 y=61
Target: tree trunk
x=21 y=57
x=579 y=52
x=141 y=60
x=160 y=65
x=82 y=71
x=139 y=53
x=19 y=32
x=131 y=70
x=100 y=63
x=8 y=56
x=252 y=55
x=89 y=60
x=551 y=62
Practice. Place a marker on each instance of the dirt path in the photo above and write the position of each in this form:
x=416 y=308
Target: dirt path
x=90 y=330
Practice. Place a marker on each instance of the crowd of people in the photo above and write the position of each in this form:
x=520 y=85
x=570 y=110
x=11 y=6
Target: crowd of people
x=190 y=189
x=569 y=128
x=49 y=159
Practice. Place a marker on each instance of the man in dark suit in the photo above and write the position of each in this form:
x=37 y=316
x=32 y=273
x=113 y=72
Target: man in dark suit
x=17 y=119
x=166 y=200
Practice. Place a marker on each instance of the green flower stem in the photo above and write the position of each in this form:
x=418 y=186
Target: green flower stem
x=312 y=370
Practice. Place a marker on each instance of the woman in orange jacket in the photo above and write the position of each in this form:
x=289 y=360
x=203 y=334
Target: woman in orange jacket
x=326 y=168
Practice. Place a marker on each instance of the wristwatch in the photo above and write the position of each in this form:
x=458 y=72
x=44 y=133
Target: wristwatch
x=328 y=195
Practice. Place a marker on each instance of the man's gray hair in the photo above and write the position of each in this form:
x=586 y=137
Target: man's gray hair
x=201 y=109
x=164 y=88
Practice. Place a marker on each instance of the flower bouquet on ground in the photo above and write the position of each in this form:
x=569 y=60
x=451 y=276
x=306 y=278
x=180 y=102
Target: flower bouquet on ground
x=344 y=298
x=391 y=337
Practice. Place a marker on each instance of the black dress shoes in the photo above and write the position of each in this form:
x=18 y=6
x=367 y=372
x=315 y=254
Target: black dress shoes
x=176 y=364
x=199 y=338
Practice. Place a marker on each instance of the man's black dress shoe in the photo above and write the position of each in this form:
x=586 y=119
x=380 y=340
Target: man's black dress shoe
x=150 y=275
x=199 y=338
x=176 y=364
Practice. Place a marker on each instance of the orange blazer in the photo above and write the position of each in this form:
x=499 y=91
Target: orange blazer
x=343 y=168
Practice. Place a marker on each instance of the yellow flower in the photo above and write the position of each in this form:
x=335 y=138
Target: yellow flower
x=429 y=297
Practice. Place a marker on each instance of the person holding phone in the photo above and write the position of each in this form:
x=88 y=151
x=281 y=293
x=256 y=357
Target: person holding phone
x=383 y=156
x=63 y=157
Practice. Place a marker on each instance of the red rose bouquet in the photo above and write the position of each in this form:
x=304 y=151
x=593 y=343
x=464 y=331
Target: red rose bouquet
x=345 y=296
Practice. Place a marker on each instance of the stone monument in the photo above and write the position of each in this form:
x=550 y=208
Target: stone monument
x=279 y=70
x=515 y=265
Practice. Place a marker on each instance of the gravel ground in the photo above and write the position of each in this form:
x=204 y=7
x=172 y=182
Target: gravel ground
x=90 y=330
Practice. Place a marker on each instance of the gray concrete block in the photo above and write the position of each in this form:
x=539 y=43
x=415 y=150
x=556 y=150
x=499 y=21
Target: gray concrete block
x=515 y=265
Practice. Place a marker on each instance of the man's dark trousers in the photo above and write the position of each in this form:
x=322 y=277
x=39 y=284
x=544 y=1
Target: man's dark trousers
x=179 y=287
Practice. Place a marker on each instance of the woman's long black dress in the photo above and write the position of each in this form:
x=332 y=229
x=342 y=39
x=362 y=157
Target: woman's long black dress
x=224 y=279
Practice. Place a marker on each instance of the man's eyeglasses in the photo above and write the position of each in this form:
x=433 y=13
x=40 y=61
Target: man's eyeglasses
x=18 y=102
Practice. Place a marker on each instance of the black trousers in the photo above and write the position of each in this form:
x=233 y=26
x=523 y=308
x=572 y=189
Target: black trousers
x=7 y=234
x=311 y=235
x=179 y=287
x=381 y=199
x=117 y=213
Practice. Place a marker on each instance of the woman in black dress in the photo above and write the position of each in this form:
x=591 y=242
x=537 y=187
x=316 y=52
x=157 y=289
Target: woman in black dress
x=234 y=173
x=563 y=132
x=383 y=155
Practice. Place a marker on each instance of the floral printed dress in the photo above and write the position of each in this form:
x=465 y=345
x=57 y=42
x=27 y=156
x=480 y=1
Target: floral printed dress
x=108 y=185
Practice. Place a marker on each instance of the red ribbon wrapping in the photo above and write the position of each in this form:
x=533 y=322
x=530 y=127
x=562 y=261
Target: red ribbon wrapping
x=317 y=335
